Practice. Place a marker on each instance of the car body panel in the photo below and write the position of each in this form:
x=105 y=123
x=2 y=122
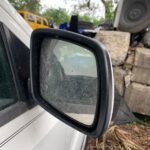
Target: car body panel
x=15 y=22
x=34 y=129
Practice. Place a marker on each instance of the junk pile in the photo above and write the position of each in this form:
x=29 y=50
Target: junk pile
x=131 y=66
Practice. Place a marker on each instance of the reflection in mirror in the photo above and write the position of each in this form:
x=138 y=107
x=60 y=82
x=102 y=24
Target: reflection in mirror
x=68 y=79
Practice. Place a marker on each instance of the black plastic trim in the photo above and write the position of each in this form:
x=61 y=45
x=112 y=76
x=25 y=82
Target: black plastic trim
x=11 y=64
x=19 y=60
x=20 y=106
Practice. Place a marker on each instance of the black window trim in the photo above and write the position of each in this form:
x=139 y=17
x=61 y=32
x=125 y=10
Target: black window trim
x=11 y=63
x=6 y=114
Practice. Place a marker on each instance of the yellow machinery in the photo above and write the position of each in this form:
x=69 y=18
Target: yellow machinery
x=33 y=20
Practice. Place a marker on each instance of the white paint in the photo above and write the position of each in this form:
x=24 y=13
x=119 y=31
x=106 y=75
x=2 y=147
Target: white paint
x=11 y=127
x=45 y=133
x=34 y=129
x=10 y=17
x=110 y=113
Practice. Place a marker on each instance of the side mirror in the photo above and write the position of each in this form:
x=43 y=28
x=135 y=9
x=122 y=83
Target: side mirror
x=71 y=78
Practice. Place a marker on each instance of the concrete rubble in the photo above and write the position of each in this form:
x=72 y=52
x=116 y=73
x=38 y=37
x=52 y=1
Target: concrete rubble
x=116 y=43
x=119 y=75
x=142 y=58
x=141 y=75
x=138 y=98
x=131 y=69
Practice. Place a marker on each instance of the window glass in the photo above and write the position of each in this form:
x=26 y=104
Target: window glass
x=7 y=87
x=30 y=17
x=38 y=20
x=45 y=22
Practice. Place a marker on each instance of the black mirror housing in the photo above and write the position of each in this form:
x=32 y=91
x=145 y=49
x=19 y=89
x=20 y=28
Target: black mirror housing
x=105 y=92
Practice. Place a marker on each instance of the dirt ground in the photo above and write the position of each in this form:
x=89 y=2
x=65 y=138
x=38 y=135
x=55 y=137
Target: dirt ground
x=134 y=136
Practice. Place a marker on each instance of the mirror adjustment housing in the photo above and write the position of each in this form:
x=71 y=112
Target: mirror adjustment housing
x=51 y=48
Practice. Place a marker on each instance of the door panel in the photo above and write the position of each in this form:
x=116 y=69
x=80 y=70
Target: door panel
x=40 y=131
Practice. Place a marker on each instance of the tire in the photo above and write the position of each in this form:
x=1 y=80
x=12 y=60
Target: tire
x=135 y=16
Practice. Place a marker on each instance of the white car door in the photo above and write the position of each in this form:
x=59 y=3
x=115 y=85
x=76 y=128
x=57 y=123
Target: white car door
x=21 y=127
x=23 y=124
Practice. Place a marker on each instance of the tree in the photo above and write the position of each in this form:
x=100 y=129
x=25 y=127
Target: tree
x=93 y=20
x=108 y=10
x=57 y=16
x=87 y=10
x=29 y=5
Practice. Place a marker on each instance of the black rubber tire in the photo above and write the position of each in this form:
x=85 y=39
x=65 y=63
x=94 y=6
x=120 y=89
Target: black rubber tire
x=135 y=16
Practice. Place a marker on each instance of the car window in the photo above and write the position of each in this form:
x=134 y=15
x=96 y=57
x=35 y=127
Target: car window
x=7 y=87
x=38 y=20
x=30 y=18
x=45 y=22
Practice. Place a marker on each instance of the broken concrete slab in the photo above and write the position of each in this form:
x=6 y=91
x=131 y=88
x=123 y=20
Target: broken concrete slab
x=128 y=65
x=127 y=79
x=142 y=58
x=137 y=97
x=119 y=76
x=130 y=59
x=117 y=43
x=141 y=75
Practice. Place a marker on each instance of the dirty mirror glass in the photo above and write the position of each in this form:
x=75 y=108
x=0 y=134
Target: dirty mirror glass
x=68 y=79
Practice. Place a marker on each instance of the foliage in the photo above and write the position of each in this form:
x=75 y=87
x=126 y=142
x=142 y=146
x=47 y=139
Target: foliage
x=60 y=15
x=85 y=7
x=56 y=16
x=90 y=9
x=29 y=5
x=86 y=11
x=94 y=20
x=108 y=11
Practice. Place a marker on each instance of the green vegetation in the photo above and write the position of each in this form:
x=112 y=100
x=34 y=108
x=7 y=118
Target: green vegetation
x=109 y=13
x=61 y=15
x=33 y=6
x=94 y=20
x=85 y=9
x=56 y=15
